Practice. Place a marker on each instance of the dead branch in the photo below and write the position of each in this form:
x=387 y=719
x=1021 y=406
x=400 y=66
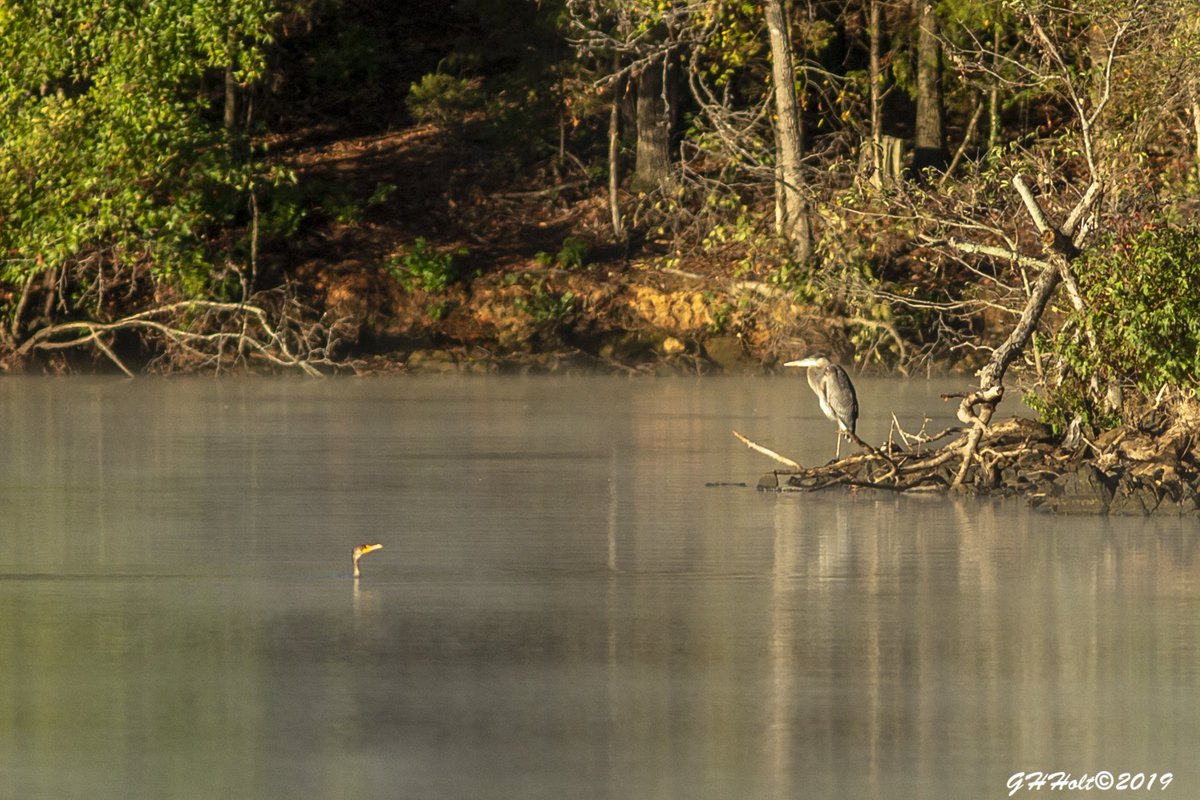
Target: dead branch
x=886 y=327
x=768 y=452
x=1031 y=204
x=547 y=192
x=991 y=377
x=200 y=329
x=920 y=437
x=1016 y=443
x=850 y=464
x=966 y=141
x=996 y=252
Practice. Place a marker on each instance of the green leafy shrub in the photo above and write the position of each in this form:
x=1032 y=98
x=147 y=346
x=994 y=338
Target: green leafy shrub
x=283 y=210
x=344 y=206
x=572 y=254
x=442 y=99
x=544 y=305
x=1142 y=296
x=422 y=267
x=111 y=154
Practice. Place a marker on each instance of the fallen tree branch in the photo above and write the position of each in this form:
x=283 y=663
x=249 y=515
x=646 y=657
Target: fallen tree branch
x=1072 y=226
x=997 y=252
x=248 y=327
x=1016 y=443
x=768 y=452
x=851 y=463
x=1031 y=204
x=920 y=437
x=111 y=355
x=548 y=191
x=886 y=327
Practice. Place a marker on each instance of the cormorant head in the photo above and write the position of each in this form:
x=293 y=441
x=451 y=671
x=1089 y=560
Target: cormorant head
x=361 y=551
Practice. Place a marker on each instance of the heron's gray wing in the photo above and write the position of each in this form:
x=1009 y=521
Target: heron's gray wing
x=840 y=395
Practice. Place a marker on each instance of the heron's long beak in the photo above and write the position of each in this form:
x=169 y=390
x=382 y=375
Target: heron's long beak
x=804 y=362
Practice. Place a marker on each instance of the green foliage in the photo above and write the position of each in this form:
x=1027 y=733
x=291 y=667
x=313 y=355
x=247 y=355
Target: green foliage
x=443 y=99
x=722 y=313
x=737 y=41
x=544 y=305
x=797 y=279
x=1145 y=294
x=572 y=254
x=347 y=209
x=737 y=225
x=424 y=268
x=282 y=211
x=110 y=153
x=1142 y=296
x=1067 y=400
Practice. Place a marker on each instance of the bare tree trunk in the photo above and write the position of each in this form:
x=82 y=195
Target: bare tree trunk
x=230 y=98
x=15 y=327
x=876 y=46
x=231 y=84
x=789 y=135
x=652 y=169
x=1196 y=127
x=1098 y=55
x=994 y=95
x=780 y=211
x=1059 y=245
x=614 y=177
x=929 y=139
x=893 y=158
x=968 y=136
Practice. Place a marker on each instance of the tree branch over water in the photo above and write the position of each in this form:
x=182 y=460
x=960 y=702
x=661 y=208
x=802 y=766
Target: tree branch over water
x=199 y=334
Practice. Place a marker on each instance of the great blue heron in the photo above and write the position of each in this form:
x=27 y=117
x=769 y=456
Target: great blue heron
x=834 y=392
x=361 y=551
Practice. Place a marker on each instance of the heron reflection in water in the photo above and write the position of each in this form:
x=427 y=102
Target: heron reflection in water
x=834 y=392
x=361 y=551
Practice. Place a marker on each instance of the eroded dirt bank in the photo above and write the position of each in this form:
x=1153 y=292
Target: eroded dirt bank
x=532 y=279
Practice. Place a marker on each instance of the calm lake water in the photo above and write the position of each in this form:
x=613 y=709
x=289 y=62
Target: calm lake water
x=562 y=608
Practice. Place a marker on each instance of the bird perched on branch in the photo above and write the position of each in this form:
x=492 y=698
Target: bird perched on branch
x=361 y=551
x=834 y=392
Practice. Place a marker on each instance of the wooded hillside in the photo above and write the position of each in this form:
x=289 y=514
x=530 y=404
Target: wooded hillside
x=622 y=184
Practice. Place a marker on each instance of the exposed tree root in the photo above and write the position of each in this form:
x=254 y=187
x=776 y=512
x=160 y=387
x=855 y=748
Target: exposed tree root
x=193 y=335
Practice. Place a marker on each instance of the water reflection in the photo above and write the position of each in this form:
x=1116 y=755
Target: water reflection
x=562 y=609
x=990 y=640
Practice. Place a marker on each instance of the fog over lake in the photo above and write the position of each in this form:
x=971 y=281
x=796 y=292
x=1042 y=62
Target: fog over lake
x=562 y=607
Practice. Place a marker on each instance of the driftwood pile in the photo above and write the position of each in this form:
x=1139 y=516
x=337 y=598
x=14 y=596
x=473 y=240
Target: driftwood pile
x=1122 y=471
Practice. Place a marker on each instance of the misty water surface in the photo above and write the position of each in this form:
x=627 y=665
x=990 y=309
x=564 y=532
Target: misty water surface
x=562 y=608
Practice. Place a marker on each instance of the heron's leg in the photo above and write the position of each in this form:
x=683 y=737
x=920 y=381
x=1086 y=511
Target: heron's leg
x=838 y=456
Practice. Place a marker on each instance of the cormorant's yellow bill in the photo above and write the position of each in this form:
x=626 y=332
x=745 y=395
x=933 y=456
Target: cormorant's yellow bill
x=361 y=551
